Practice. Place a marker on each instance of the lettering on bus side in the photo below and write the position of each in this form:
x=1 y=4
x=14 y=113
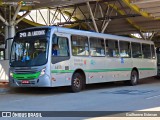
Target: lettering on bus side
x=80 y=62
x=58 y=67
x=92 y=62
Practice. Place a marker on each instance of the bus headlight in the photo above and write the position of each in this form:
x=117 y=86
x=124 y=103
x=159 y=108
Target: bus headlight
x=11 y=74
x=43 y=71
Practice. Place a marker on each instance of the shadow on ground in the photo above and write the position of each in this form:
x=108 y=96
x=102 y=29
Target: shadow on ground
x=59 y=90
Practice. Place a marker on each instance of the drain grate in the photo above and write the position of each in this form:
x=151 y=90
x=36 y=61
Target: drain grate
x=132 y=92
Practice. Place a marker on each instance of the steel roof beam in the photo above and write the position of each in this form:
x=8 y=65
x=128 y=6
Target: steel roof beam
x=105 y=26
x=62 y=14
x=16 y=13
x=150 y=8
x=71 y=15
x=92 y=17
x=42 y=17
x=143 y=1
x=128 y=31
x=155 y=14
x=137 y=9
x=22 y=17
x=54 y=15
x=4 y=21
x=99 y=19
x=141 y=34
x=153 y=34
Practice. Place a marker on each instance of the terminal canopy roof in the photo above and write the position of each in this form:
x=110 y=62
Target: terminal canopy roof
x=121 y=17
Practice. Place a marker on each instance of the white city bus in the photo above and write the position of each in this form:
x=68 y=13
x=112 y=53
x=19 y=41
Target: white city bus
x=80 y=58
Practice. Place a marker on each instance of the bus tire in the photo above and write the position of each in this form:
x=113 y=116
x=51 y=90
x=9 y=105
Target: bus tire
x=134 y=78
x=77 y=82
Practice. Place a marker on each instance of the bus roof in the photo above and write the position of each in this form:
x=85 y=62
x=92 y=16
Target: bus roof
x=91 y=34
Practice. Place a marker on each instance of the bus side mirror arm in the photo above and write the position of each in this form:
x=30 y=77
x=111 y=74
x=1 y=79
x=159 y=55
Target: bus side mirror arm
x=6 y=42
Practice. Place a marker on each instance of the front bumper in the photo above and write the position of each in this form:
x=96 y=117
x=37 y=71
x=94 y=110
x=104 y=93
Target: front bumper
x=41 y=81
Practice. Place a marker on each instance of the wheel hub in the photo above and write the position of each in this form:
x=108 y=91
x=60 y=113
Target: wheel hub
x=134 y=78
x=77 y=82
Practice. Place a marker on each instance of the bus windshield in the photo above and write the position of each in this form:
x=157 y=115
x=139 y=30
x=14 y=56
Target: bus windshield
x=27 y=52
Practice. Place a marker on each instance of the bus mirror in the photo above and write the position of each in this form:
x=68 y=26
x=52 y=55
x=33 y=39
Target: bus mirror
x=6 y=43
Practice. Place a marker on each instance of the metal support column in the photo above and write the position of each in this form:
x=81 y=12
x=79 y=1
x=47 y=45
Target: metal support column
x=11 y=33
x=6 y=36
x=10 y=27
x=93 y=20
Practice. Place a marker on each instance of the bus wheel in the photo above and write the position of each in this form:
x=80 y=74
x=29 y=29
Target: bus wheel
x=134 y=78
x=77 y=82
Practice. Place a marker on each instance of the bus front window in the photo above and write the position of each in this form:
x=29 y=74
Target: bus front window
x=29 y=52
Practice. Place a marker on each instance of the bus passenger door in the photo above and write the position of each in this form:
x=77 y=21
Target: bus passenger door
x=125 y=60
x=97 y=66
x=60 y=56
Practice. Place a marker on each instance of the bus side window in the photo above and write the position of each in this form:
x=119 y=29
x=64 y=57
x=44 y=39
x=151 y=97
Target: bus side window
x=146 y=51
x=136 y=50
x=97 y=46
x=80 y=45
x=125 y=50
x=153 y=52
x=112 y=48
x=63 y=46
x=60 y=49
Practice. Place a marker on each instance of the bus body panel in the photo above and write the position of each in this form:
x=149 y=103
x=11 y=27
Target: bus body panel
x=59 y=75
x=145 y=67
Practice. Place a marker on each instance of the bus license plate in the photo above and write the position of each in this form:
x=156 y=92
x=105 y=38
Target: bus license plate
x=25 y=82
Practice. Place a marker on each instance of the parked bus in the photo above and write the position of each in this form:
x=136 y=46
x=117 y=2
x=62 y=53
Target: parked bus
x=158 y=62
x=55 y=56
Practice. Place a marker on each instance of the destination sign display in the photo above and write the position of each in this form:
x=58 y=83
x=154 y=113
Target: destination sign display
x=32 y=33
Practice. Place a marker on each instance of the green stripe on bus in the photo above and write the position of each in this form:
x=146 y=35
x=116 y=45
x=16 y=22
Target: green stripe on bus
x=26 y=76
x=146 y=68
x=62 y=71
x=101 y=70
x=109 y=70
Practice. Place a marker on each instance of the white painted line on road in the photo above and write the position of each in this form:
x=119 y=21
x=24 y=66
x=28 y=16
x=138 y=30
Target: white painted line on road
x=18 y=100
x=153 y=97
